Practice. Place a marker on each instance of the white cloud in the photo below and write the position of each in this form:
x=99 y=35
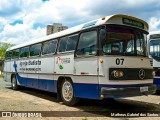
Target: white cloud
x=58 y=11
x=68 y=13
x=154 y=23
x=2 y=21
x=20 y=33
x=33 y=12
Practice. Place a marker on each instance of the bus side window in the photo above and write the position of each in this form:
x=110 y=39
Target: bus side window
x=71 y=42
x=35 y=50
x=68 y=43
x=49 y=47
x=15 y=54
x=24 y=52
x=8 y=55
x=87 y=43
x=62 y=44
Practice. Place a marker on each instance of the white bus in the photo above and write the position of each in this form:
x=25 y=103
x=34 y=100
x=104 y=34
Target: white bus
x=103 y=58
x=154 y=52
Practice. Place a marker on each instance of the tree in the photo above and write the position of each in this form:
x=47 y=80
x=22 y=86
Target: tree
x=3 y=47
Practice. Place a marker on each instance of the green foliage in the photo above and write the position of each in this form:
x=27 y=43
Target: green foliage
x=1 y=75
x=3 y=47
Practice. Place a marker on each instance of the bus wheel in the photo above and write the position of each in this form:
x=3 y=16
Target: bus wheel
x=67 y=93
x=14 y=83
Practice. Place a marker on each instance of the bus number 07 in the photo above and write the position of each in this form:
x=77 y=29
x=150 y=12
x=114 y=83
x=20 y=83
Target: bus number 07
x=119 y=61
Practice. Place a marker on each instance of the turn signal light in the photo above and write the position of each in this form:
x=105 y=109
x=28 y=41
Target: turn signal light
x=101 y=61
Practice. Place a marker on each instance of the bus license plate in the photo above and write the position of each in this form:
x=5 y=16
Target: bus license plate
x=144 y=89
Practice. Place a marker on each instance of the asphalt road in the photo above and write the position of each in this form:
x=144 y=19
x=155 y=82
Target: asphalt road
x=25 y=102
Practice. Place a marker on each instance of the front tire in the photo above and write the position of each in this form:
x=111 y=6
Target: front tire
x=14 y=83
x=67 y=93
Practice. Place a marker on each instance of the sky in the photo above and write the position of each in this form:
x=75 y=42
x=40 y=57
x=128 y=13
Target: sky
x=25 y=20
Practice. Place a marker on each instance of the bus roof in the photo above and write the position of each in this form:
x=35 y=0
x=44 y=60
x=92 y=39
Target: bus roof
x=154 y=35
x=154 y=32
x=113 y=19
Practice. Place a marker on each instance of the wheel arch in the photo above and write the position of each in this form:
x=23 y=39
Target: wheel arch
x=12 y=75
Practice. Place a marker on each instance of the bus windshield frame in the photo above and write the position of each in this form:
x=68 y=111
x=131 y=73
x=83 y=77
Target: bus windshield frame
x=124 y=40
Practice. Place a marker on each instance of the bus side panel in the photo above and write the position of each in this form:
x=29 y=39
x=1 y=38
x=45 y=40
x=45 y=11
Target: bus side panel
x=86 y=83
x=22 y=78
x=46 y=76
x=32 y=80
x=32 y=72
x=64 y=64
x=35 y=73
x=47 y=83
x=23 y=69
x=47 y=65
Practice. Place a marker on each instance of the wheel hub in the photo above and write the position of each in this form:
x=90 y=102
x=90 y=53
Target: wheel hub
x=67 y=91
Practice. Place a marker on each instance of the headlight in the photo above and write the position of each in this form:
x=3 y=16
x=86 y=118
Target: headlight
x=154 y=73
x=117 y=74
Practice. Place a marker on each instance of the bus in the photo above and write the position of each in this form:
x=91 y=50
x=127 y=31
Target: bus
x=103 y=58
x=154 y=52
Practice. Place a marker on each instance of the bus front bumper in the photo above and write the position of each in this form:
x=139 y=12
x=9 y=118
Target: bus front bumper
x=128 y=91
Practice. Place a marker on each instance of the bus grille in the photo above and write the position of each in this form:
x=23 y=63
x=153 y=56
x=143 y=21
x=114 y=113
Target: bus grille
x=132 y=73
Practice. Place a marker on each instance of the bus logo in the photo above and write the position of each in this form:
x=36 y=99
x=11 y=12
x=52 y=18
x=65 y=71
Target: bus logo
x=60 y=63
x=141 y=74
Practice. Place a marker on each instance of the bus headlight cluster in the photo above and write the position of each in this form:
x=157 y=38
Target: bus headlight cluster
x=117 y=73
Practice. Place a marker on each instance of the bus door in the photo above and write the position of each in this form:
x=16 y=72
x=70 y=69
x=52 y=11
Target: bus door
x=86 y=66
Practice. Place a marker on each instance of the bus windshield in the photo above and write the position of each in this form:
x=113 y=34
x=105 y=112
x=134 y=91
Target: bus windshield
x=155 y=49
x=123 y=41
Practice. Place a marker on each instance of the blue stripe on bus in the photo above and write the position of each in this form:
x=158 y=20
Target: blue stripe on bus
x=90 y=91
x=42 y=84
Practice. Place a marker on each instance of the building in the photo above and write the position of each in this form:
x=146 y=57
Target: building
x=56 y=27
